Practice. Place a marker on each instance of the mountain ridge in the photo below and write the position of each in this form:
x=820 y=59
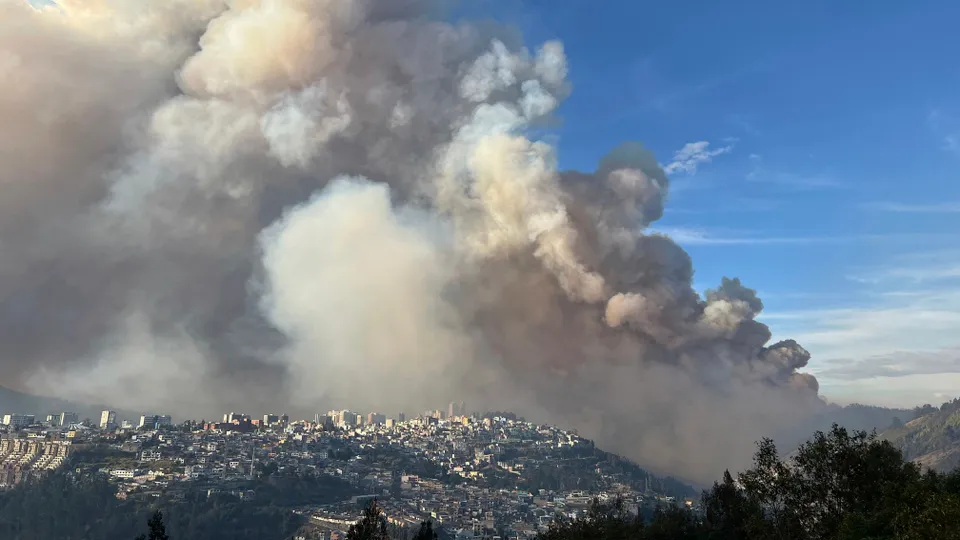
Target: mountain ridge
x=932 y=439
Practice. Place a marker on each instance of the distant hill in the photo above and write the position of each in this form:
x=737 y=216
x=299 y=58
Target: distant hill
x=933 y=439
x=868 y=417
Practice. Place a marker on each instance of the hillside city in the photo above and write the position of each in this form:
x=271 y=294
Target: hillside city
x=475 y=476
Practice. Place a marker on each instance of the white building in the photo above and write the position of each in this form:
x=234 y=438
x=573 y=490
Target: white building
x=150 y=455
x=18 y=420
x=108 y=419
x=155 y=420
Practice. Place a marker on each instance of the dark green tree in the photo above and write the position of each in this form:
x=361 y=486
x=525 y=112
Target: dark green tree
x=157 y=530
x=730 y=514
x=372 y=526
x=603 y=521
x=426 y=532
x=672 y=523
x=838 y=485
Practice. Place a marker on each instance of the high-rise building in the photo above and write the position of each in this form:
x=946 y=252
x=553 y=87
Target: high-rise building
x=154 y=420
x=375 y=419
x=401 y=417
x=53 y=419
x=233 y=417
x=18 y=420
x=390 y=423
x=69 y=418
x=456 y=409
x=270 y=419
x=108 y=419
x=343 y=418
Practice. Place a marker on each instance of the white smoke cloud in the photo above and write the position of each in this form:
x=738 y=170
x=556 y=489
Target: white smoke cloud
x=358 y=288
x=305 y=204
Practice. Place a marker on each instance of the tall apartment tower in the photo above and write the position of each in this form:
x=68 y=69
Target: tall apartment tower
x=108 y=419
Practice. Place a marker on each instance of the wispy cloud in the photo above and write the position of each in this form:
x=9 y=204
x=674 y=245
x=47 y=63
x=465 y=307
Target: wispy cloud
x=692 y=155
x=761 y=174
x=732 y=205
x=945 y=127
x=905 y=391
x=897 y=345
x=662 y=92
x=697 y=236
x=894 y=364
x=931 y=208
x=913 y=275
x=921 y=323
x=745 y=124
x=915 y=268
x=951 y=143
x=705 y=237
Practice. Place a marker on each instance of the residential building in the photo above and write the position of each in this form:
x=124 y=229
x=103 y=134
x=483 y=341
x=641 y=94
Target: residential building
x=18 y=420
x=154 y=420
x=108 y=419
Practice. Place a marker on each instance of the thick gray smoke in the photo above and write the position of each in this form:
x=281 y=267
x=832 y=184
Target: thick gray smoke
x=298 y=204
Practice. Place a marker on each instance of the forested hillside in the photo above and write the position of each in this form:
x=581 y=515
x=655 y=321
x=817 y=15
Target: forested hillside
x=933 y=439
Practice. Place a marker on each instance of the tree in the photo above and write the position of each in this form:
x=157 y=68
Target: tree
x=730 y=514
x=372 y=526
x=840 y=485
x=672 y=523
x=157 y=529
x=924 y=410
x=426 y=532
x=603 y=521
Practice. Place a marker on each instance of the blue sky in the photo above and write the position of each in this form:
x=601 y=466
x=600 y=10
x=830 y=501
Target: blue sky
x=827 y=169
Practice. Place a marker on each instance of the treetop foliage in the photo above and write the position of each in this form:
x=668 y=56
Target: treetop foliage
x=838 y=486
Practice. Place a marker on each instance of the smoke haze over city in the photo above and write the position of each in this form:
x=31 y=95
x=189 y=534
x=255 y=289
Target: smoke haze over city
x=296 y=205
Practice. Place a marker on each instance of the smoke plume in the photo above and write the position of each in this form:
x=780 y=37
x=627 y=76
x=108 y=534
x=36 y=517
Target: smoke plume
x=299 y=204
